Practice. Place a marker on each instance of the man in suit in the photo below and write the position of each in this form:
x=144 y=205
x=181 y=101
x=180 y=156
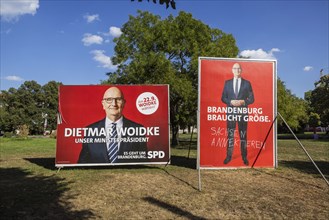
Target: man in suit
x=114 y=150
x=237 y=94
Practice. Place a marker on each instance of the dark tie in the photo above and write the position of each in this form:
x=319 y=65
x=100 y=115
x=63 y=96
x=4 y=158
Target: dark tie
x=113 y=145
x=236 y=92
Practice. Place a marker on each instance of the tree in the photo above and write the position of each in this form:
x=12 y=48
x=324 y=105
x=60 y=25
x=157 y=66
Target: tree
x=319 y=99
x=7 y=110
x=50 y=103
x=292 y=108
x=20 y=107
x=172 y=3
x=27 y=105
x=314 y=121
x=152 y=50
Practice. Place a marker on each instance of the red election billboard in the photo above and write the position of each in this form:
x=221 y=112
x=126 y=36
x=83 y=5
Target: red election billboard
x=237 y=109
x=113 y=125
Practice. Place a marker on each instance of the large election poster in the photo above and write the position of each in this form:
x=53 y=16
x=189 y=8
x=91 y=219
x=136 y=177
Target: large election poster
x=236 y=113
x=112 y=125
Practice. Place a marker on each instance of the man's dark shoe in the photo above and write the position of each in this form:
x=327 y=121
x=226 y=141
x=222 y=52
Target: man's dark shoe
x=246 y=162
x=227 y=160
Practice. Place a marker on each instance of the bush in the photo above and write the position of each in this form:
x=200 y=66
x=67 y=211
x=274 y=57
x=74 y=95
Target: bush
x=8 y=134
x=53 y=134
x=23 y=131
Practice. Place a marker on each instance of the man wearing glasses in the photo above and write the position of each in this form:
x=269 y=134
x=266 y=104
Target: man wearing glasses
x=114 y=150
x=237 y=95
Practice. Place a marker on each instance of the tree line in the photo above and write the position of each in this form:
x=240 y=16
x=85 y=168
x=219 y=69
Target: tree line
x=30 y=105
x=156 y=51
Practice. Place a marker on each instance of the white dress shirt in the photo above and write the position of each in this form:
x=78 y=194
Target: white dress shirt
x=239 y=84
x=108 y=127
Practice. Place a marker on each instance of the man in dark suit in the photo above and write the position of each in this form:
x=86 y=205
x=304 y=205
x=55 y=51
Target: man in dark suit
x=237 y=95
x=114 y=150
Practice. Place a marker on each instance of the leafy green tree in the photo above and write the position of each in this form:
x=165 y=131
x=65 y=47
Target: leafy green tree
x=152 y=50
x=17 y=107
x=292 y=109
x=172 y=3
x=314 y=121
x=50 y=103
x=29 y=99
x=8 y=119
x=319 y=99
x=27 y=105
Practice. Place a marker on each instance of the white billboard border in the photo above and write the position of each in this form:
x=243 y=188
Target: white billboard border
x=274 y=124
x=60 y=166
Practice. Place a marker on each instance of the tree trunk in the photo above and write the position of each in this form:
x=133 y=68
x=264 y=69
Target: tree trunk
x=315 y=136
x=174 y=131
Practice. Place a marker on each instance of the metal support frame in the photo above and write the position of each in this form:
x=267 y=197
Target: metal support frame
x=300 y=144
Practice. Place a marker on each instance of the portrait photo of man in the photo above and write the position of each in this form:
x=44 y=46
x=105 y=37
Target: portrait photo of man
x=237 y=94
x=114 y=149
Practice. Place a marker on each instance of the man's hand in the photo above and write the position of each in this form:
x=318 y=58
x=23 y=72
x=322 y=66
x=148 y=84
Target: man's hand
x=237 y=103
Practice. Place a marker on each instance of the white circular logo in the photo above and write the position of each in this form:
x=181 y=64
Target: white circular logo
x=147 y=103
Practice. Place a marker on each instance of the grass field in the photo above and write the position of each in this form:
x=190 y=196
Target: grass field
x=31 y=187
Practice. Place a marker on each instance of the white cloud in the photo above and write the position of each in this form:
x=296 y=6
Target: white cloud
x=100 y=57
x=14 y=78
x=260 y=53
x=11 y=10
x=308 y=68
x=91 y=18
x=275 y=50
x=115 y=31
x=89 y=39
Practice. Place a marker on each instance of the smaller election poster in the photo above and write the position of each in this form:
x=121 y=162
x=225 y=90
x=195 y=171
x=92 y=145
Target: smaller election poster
x=112 y=125
x=237 y=110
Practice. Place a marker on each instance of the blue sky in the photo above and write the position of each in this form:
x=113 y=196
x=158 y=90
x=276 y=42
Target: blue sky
x=72 y=41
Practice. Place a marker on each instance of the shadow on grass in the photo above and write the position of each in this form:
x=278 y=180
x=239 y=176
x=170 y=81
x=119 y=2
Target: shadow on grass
x=26 y=196
x=174 y=209
x=180 y=179
x=49 y=163
x=46 y=162
x=307 y=166
x=181 y=161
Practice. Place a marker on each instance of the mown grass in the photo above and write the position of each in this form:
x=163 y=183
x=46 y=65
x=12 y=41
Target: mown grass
x=31 y=187
x=305 y=135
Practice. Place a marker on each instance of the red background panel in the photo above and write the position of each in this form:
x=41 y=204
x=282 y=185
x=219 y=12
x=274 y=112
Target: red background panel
x=213 y=74
x=81 y=105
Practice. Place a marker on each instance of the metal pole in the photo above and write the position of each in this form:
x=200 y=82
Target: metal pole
x=304 y=149
x=199 y=172
x=189 y=147
x=264 y=142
